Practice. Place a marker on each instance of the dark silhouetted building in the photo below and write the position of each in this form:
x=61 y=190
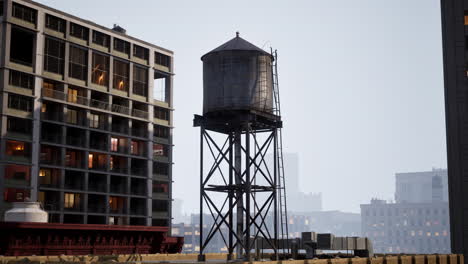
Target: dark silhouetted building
x=455 y=52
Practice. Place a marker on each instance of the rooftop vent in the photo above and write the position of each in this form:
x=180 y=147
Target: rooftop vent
x=119 y=29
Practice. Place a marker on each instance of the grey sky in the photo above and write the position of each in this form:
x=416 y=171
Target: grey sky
x=361 y=82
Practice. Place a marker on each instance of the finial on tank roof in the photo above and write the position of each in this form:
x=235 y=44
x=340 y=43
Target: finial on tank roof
x=237 y=34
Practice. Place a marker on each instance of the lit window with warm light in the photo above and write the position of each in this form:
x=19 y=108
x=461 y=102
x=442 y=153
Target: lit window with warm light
x=90 y=160
x=17 y=148
x=121 y=75
x=100 y=69
x=114 y=144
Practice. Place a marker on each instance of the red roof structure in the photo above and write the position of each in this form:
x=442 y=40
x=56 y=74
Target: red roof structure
x=26 y=239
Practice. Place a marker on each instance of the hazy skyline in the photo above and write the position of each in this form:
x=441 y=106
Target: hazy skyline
x=361 y=83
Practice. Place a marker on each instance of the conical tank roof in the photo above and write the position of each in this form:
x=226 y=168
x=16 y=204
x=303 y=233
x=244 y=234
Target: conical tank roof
x=239 y=44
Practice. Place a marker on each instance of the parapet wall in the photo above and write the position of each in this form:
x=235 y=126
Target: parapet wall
x=188 y=258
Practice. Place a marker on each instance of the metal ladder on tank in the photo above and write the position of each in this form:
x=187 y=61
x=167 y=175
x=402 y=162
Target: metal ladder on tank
x=282 y=182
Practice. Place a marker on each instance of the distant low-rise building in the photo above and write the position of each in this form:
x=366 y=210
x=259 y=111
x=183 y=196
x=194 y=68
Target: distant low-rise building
x=418 y=222
x=335 y=222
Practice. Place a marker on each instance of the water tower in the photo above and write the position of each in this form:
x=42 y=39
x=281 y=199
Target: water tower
x=241 y=123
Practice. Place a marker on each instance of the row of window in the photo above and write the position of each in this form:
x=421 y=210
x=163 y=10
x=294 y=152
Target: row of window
x=396 y=212
x=78 y=31
x=24 y=103
x=54 y=57
x=21 y=52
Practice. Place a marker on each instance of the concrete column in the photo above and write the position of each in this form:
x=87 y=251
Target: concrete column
x=111 y=72
x=38 y=68
x=130 y=82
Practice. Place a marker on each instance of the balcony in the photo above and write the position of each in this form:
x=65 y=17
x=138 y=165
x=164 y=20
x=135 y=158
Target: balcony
x=68 y=97
x=97 y=161
x=98 y=141
x=97 y=182
x=49 y=178
x=18 y=151
x=54 y=94
x=74 y=180
x=139 y=171
x=74 y=159
x=117 y=205
x=119 y=125
x=120 y=109
x=138 y=206
x=50 y=155
x=50 y=200
x=139 y=187
x=97 y=203
x=99 y=104
x=140 y=113
x=118 y=185
x=51 y=133
x=121 y=170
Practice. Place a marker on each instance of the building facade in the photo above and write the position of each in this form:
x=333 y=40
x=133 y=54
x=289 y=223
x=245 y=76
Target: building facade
x=418 y=222
x=455 y=46
x=421 y=187
x=86 y=119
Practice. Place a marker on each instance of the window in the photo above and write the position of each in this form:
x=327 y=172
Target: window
x=100 y=70
x=78 y=31
x=121 y=46
x=20 y=102
x=22 y=46
x=160 y=168
x=94 y=121
x=160 y=187
x=24 y=13
x=19 y=125
x=161 y=113
x=18 y=148
x=55 y=23
x=90 y=160
x=159 y=150
x=161 y=132
x=21 y=79
x=72 y=116
x=72 y=200
x=140 y=52
x=101 y=39
x=72 y=95
x=17 y=175
x=114 y=144
x=54 y=55
x=15 y=195
x=162 y=59
x=135 y=148
x=78 y=63
x=140 y=80
x=120 y=75
x=159 y=90
x=73 y=158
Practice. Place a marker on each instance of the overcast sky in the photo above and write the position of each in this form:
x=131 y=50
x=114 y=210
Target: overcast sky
x=361 y=82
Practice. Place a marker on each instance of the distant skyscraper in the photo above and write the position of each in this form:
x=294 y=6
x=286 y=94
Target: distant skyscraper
x=298 y=199
x=455 y=47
